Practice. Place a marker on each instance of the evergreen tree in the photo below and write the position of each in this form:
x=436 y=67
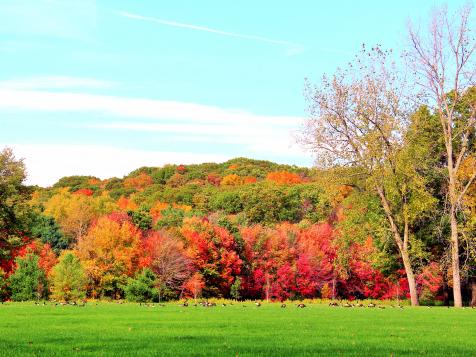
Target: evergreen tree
x=28 y=282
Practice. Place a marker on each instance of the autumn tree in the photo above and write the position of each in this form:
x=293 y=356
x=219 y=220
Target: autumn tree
x=195 y=285
x=109 y=253
x=444 y=59
x=165 y=256
x=73 y=213
x=357 y=127
x=68 y=280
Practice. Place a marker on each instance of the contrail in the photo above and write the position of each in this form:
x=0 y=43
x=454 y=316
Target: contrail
x=211 y=30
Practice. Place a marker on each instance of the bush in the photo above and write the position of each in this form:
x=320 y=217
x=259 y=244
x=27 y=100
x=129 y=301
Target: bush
x=142 y=288
x=229 y=202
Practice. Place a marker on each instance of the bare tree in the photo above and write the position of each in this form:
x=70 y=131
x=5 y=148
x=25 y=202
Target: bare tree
x=359 y=119
x=168 y=261
x=444 y=60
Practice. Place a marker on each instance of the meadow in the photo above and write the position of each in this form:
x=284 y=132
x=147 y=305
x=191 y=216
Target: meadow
x=241 y=329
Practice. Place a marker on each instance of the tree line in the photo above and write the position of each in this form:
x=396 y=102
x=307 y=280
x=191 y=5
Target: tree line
x=388 y=212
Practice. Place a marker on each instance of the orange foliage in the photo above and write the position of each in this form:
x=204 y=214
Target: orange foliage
x=231 y=180
x=126 y=204
x=284 y=178
x=155 y=211
x=193 y=286
x=139 y=182
x=233 y=167
x=249 y=179
x=110 y=248
x=94 y=181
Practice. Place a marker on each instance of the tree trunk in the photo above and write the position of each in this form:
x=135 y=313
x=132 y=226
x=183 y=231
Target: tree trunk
x=402 y=245
x=473 y=292
x=458 y=301
x=410 y=278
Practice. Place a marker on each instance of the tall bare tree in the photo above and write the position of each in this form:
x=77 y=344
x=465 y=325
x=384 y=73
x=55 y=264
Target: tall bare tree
x=444 y=60
x=359 y=119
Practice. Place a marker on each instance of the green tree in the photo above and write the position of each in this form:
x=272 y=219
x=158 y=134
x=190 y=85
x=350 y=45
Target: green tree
x=235 y=289
x=68 y=280
x=143 y=287
x=359 y=128
x=141 y=219
x=28 y=281
x=48 y=231
x=3 y=285
x=13 y=197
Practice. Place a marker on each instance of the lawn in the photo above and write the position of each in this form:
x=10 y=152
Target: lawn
x=317 y=330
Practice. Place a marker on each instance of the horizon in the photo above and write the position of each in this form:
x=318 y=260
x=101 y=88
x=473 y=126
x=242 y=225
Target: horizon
x=100 y=89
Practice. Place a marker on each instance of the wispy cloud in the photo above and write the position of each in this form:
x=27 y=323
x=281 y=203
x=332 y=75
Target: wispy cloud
x=199 y=123
x=291 y=47
x=125 y=107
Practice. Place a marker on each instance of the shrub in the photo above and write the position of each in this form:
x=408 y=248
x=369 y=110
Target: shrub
x=142 y=288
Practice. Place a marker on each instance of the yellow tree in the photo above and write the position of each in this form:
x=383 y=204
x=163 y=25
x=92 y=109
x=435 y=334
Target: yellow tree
x=109 y=253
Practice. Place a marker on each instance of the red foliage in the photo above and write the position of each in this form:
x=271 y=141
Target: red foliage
x=181 y=169
x=84 y=191
x=214 y=179
x=212 y=250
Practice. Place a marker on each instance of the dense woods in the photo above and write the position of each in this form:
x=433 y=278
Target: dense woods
x=389 y=211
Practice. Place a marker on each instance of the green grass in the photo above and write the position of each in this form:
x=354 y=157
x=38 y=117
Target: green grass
x=110 y=329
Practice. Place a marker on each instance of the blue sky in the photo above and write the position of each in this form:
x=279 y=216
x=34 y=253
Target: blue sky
x=104 y=87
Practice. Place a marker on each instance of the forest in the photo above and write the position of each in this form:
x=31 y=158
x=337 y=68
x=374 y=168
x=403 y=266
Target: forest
x=388 y=212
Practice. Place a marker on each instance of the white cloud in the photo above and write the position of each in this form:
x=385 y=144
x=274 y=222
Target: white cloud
x=189 y=123
x=134 y=108
x=48 y=163
x=54 y=82
x=292 y=48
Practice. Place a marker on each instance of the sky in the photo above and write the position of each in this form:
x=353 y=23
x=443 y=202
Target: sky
x=104 y=87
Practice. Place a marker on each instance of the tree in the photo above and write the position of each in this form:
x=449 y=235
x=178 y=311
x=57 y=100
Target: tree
x=445 y=61
x=358 y=124
x=165 y=257
x=109 y=253
x=3 y=285
x=235 y=289
x=142 y=288
x=28 y=281
x=73 y=213
x=195 y=285
x=48 y=231
x=68 y=280
x=13 y=197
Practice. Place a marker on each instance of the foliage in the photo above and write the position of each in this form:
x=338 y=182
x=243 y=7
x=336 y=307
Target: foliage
x=68 y=280
x=28 y=281
x=142 y=288
x=109 y=253
x=13 y=209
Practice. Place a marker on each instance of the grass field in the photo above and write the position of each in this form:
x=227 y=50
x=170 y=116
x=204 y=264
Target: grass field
x=131 y=330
